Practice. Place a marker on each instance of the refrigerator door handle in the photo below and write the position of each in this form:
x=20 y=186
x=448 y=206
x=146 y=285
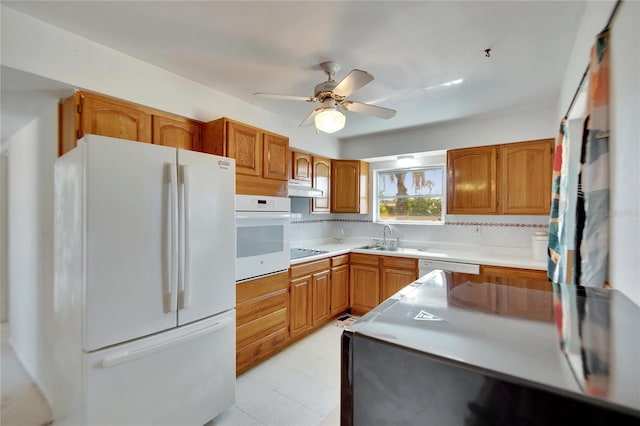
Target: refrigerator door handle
x=127 y=356
x=171 y=243
x=185 y=202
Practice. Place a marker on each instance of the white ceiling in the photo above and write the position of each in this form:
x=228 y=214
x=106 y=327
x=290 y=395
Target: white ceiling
x=410 y=48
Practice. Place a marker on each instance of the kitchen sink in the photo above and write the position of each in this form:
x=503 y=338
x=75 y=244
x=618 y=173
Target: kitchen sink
x=394 y=248
x=375 y=247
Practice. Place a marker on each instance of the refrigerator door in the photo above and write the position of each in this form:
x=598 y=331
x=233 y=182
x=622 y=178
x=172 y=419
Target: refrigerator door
x=185 y=376
x=207 y=238
x=130 y=248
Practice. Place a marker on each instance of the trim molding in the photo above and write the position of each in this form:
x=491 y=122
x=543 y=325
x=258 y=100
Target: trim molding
x=493 y=224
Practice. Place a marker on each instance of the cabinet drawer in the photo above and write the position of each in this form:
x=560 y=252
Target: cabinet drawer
x=261 y=327
x=251 y=354
x=364 y=259
x=260 y=287
x=399 y=262
x=309 y=268
x=517 y=273
x=340 y=260
x=252 y=309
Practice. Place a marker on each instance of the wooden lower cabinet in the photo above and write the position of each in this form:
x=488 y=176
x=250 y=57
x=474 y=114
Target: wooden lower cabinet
x=364 y=283
x=301 y=293
x=376 y=278
x=509 y=298
x=321 y=297
x=513 y=300
x=339 y=284
x=262 y=319
x=310 y=296
x=396 y=273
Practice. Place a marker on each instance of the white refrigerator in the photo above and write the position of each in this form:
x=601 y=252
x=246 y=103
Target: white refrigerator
x=144 y=287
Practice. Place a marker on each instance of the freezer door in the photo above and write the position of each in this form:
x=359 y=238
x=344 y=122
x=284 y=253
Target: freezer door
x=207 y=238
x=184 y=376
x=131 y=209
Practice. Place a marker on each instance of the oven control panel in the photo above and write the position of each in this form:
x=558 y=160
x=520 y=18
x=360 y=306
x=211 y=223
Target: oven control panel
x=257 y=203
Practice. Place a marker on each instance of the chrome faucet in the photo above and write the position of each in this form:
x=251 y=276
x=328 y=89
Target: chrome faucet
x=384 y=234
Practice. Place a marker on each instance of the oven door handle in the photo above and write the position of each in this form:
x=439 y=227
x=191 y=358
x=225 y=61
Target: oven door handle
x=259 y=215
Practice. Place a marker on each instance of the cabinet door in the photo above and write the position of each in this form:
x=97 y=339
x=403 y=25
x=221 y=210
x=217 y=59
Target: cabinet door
x=365 y=288
x=393 y=280
x=179 y=133
x=275 y=157
x=107 y=117
x=301 y=292
x=339 y=289
x=321 y=180
x=526 y=169
x=321 y=297
x=471 y=291
x=472 y=180
x=245 y=145
x=349 y=186
x=301 y=166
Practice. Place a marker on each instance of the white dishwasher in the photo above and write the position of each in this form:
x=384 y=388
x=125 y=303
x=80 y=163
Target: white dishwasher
x=425 y=266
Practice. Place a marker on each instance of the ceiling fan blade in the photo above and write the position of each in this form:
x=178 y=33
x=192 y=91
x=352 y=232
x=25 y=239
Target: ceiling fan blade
x=310 y=118
x=352 y=82
x=286 y=97
x=373 y=110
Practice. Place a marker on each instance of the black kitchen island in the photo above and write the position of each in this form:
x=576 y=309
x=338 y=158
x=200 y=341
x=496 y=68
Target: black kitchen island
x=445 y=352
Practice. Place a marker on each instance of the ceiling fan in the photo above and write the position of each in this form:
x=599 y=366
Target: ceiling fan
x=332 y=95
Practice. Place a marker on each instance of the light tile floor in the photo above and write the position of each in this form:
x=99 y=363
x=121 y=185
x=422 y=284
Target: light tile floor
x=22 y=402
x=299 y=386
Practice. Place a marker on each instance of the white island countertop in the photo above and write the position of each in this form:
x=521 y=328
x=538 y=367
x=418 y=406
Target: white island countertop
x=510 y=257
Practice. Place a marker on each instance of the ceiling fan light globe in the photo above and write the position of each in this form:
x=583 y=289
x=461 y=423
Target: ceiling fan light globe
x=330 y=120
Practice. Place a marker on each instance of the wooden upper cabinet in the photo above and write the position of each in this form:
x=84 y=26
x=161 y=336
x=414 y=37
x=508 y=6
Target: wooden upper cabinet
x=108 y=117
x=526 y=170
x=321 y=173
x=177 y=132
x=349 y=186
x=300 y=166
x=511 y=178
x=244 y=144
x=275 y=155
x=87 y=113
x=472 y=184
x=262 y=157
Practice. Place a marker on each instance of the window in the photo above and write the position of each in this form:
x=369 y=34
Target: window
x=412 y=195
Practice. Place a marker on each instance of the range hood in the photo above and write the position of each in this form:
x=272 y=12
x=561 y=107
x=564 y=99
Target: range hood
x=299 y=188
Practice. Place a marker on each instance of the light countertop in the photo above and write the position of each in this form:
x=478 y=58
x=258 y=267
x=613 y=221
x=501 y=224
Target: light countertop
x=465 y=253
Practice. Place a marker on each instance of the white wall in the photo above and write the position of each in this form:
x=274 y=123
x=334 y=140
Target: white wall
x=624 y=267
x=31 y=157
x=625 y=152
x=4 y=304
x=521 y=124
x=36 y=47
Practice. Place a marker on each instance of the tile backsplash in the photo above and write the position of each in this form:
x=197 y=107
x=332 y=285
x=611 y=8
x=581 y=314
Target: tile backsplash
x=486 y=230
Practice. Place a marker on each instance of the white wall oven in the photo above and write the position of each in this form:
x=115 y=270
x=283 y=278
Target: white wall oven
x=262 y=235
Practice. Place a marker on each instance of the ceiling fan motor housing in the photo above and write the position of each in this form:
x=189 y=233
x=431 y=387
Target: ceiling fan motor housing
x=324 y=90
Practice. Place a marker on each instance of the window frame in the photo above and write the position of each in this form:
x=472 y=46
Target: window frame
x=376 y=199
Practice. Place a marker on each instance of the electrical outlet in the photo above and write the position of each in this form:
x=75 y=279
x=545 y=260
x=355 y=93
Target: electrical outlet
x=475 y=229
